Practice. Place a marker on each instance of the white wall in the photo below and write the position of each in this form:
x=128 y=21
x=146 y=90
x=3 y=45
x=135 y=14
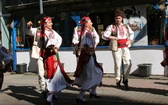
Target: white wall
x=153 y=56
x=139 y=56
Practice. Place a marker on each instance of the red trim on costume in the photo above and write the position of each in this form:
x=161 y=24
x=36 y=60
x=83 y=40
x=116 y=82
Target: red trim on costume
x=41 y=53
x=51 y=64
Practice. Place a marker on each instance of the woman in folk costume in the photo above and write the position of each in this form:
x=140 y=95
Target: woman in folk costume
x=56 y=78
x=88 y=72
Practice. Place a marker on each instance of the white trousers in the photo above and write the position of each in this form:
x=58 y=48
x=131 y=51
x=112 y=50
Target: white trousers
x=41 y=78
x=123 y=54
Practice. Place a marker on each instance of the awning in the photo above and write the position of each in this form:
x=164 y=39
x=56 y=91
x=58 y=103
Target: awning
x=71 y=5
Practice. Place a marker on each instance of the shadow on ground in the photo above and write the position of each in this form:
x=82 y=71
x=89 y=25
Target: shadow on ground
x=31 y=95
x=146 y=90
x=26 y=93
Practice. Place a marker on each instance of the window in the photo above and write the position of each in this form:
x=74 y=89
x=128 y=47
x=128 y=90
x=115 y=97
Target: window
x=64 y=25
x=20 y=33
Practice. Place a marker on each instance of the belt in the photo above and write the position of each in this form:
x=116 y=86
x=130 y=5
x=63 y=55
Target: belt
x=122 y=45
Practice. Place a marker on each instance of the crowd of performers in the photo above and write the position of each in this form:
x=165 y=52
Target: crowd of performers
x=88 y=74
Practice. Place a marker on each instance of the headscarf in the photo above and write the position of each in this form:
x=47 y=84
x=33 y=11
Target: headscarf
x=83 y=22
x=43 y=21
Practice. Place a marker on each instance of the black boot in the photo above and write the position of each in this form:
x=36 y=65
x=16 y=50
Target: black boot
x=118 y=83
x=55 y=97
x=44 y=94
x=125 y=82
x=82 y=101
x=94 y=95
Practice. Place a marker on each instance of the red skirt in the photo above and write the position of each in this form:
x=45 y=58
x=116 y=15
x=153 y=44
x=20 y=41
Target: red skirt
x=51 y=63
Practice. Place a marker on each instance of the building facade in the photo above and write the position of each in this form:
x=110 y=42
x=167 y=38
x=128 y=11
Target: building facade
x=146 y=18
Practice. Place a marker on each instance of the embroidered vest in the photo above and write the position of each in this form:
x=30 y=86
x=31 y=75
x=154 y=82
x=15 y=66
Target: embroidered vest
x=115 y=30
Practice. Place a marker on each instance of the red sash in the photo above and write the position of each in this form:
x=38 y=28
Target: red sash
x=122 y=43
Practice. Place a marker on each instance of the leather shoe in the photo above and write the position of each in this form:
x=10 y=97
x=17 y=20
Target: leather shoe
x=94 y=95
x=55 y=97
x=118 y=83
x=44 y=94
x=82 y=101
x=126 y=84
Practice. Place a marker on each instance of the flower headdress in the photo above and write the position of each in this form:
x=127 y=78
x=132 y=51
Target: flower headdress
x=83 y=22
x=43 y=21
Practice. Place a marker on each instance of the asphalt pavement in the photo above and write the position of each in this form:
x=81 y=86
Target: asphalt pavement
x=23 y=89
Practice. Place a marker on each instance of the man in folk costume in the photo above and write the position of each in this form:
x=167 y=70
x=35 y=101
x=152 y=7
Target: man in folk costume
x=36 y=32
x=88 y=72
x=123 y=35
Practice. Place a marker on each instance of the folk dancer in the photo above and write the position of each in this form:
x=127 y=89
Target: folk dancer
x=50 y=41
x=124 y=36
x=88 y=74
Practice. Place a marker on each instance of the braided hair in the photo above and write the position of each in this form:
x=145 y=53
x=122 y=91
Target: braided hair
x=43 y=22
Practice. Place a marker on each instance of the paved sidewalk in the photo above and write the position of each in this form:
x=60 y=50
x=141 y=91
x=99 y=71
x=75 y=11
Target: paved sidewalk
x=23 y=89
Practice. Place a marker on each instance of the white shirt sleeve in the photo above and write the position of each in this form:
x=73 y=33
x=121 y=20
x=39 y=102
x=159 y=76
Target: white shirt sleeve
x=31 y=31
x=59 y=40
x=106 y=34
x=56 y=40
x=97 y=39
x=75 y=39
